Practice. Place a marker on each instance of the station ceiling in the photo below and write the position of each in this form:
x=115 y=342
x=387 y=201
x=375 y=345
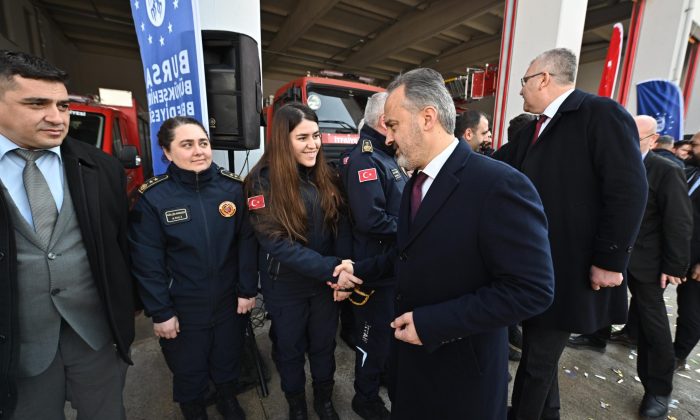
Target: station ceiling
x=373 y=38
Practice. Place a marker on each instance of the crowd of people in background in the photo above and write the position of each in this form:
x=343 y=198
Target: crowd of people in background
x=441 y=273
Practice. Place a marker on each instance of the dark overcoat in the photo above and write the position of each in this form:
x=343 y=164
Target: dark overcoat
x=588 y=170
x=97 y=186
x=663 y=243
x=475 y=260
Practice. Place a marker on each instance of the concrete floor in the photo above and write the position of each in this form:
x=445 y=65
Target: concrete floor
x=590 y=389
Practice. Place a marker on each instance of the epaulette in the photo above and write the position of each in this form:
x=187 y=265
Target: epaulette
x=229 y=174
x=153 y=181
x=367 y=146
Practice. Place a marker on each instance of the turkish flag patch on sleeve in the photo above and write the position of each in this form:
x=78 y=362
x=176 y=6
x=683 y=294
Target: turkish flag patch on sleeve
x=367 y=174
x=256 y=202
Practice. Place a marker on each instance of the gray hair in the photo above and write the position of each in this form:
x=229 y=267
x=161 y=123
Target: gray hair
x=426 y=87
x=560 y=63
x=375 y=109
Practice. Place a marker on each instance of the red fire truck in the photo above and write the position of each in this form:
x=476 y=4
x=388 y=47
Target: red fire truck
x=112 y=123
x=338 y=102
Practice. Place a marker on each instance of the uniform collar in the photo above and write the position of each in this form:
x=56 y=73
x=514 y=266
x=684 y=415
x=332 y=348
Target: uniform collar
x=377 y=139
x=190 y=177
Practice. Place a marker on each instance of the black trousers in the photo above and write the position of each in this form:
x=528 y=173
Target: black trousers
x=688 y=322
x=655 y=361
x=373 y=336
x=304 y=325
x=199 y=354
x=536 y=387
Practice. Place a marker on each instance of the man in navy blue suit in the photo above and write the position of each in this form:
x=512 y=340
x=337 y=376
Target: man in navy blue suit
x=471 y=259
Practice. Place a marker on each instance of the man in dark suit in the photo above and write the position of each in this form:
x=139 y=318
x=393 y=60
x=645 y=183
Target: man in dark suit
x=688 y=293
x=660 y=257
x=472 y=258
x=664 y=148
x=66 y=295
x=582 y=155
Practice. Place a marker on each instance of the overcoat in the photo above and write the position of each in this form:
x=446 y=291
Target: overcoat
x=474 y=260
x=588 y=170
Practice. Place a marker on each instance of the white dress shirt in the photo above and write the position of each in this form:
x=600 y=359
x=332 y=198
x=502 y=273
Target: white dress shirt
x=552 y=108
x=433 y=167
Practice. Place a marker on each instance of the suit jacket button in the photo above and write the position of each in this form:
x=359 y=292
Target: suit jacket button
x=403 y=256
x=56 y=291
x=2 y=255
x=51 y=256
x=613 y=247
x=398 y=296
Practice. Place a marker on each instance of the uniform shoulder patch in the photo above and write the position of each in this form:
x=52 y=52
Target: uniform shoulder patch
x=153 y=181
x=230 y=175
x=367 y=146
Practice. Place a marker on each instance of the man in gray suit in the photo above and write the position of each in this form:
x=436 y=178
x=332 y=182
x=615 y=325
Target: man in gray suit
x=66 y=295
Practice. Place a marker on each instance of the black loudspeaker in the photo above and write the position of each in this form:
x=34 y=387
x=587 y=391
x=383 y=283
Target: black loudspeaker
x=234 y=89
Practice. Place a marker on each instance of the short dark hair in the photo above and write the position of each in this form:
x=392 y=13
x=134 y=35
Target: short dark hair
x=665 y=140
x=18 y=63
x=468 y=119
x=680 y=143
x=517 y=123
x=166 y=133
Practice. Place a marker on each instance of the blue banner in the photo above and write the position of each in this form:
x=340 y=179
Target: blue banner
x=662 y=100
x=170 y=40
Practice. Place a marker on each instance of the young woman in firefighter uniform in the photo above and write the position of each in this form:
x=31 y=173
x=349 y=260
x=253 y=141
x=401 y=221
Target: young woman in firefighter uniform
x=194 y=256
x=296 y=210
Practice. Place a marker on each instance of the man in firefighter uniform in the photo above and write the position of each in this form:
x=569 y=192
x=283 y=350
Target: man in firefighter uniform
x=374 y=183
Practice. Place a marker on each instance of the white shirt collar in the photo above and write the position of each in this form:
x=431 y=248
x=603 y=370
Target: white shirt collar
x=553 y=107
x=434 y=166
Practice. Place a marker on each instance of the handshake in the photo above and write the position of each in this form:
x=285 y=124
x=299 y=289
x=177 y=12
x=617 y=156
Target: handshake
x=346 y=281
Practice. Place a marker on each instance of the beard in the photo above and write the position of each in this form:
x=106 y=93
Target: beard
x=413 y=144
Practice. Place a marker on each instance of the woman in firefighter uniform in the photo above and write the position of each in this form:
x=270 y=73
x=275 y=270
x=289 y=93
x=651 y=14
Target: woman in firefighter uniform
x=194 y=257
x=296 y=210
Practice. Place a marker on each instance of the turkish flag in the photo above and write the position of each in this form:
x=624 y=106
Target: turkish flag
x=256 y=202
x=367 y=174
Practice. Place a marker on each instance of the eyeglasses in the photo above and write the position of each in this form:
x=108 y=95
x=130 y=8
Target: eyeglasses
x=526 y=78
x=646 y=137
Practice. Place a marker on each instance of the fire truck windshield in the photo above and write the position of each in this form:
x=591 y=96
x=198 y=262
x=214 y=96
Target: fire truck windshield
x=87 y=127
x=339 y=109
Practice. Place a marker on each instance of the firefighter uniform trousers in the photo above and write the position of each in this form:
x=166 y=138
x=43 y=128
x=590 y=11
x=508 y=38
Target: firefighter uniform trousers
x=198 y=354
x=373 y=336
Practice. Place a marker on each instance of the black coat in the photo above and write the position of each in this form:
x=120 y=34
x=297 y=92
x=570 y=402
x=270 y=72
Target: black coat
x=692 y=172
x=97 y=186
x=475 y=260
x=663 y=243
x=588 y=170
x=670 y=156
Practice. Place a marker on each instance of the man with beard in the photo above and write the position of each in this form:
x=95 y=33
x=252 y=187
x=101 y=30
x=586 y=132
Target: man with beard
x=471 y=259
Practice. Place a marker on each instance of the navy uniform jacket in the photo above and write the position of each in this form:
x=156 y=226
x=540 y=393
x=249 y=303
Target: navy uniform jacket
x=373 y=183
x=475 y=260
x=191 y=260
x=291 y=269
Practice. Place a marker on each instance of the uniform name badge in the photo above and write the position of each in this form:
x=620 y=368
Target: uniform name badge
x=396 y=173
x=227 y=209
x=175 y=216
